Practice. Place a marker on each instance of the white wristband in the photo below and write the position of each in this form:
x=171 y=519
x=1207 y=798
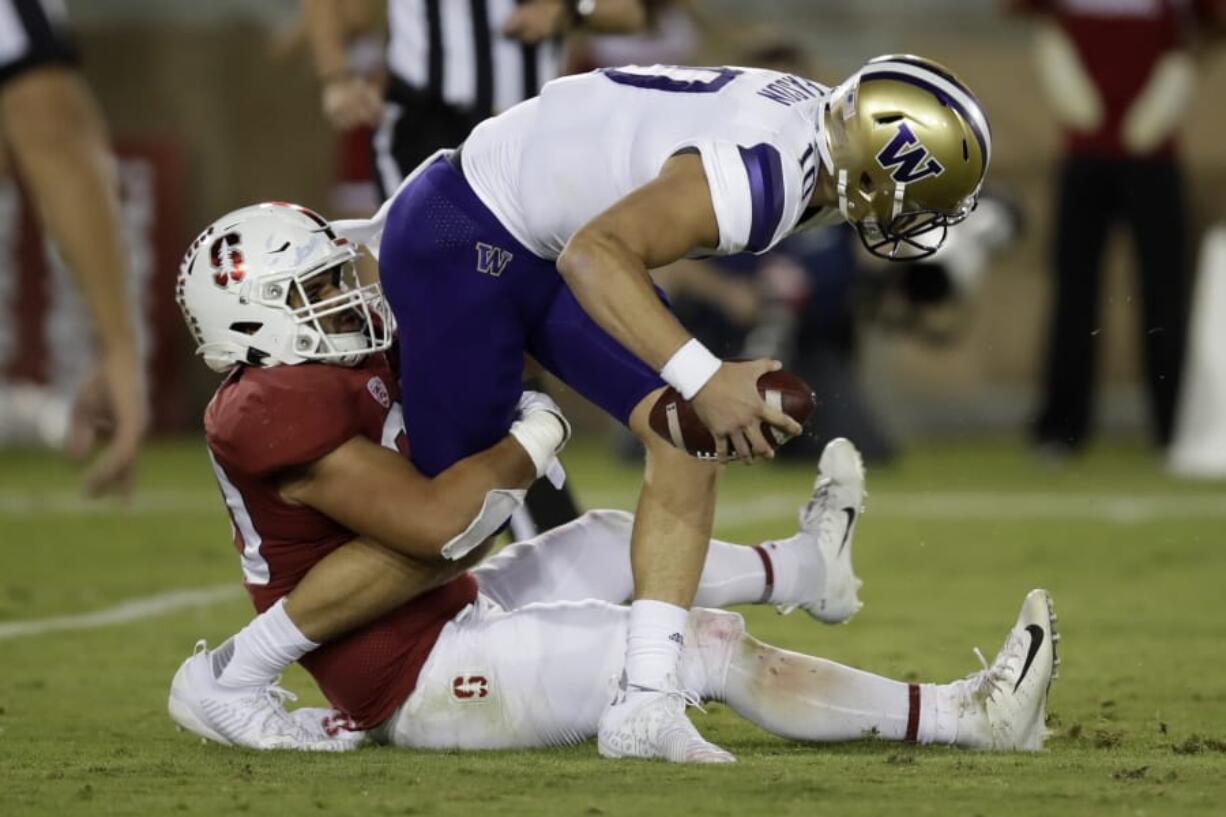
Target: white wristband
x=542 y=434
x=689 y=369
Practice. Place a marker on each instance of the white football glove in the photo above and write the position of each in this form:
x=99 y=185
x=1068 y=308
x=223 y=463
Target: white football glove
x=543 y=431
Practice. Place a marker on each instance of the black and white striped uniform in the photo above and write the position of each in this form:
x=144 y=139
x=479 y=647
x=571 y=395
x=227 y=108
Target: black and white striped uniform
x=449 y=67
x=33 y=33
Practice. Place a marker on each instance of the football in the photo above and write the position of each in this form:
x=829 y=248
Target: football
x=674 y=419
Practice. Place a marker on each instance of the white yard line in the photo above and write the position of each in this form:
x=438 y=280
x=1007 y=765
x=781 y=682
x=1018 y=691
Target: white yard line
x=135 y=609
x=1004 y=505
x=970 y=505
x=68 y=503
x=881 y=504
x=1118 y=508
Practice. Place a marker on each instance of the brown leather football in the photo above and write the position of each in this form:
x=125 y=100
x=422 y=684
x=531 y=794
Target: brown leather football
x=675 y=420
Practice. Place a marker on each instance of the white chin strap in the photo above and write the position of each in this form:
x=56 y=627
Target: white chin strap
x=338 y=349
x=356 y=342
x=220 y=356
x=843 y=194
x=900 y=190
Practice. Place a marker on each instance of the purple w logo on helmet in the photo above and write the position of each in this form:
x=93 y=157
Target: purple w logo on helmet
x=908 y=166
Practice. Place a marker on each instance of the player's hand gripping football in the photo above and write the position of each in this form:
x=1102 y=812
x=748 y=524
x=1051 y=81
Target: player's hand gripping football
x=733 y=410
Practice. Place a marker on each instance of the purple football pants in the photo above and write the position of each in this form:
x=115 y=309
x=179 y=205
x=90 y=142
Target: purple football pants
x=469 y=301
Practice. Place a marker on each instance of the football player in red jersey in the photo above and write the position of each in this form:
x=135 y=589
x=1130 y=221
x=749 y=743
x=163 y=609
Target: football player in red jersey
x=307 y=443
x=343 y=541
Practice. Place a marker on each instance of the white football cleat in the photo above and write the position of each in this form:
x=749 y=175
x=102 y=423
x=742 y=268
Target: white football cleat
x=255 y=718
x=652 y=724
x=1005 y=705
x=829 y=518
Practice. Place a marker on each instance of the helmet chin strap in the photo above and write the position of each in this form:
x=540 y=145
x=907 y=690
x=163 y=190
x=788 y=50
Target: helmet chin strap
x=843 y=194
x=356 y=342
x=335 y=348
x=220 y=356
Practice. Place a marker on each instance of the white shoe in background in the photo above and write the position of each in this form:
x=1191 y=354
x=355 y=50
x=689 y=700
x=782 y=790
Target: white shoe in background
x=829 y=521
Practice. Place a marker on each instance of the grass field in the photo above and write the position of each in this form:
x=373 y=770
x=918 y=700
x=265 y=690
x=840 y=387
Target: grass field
x=952 y=540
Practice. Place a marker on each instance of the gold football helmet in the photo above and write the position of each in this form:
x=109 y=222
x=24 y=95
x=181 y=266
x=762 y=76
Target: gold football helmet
x=909 y=145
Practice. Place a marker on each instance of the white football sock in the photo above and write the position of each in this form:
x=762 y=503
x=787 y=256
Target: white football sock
x=261 y=651
x=940 y=705
x=806 y=698
x=796 y=569
x=653 y=646
x=734 y=574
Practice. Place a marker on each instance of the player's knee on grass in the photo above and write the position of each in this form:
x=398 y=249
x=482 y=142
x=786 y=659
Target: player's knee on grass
x=711 y=640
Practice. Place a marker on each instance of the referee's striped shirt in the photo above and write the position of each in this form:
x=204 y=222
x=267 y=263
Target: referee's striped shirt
x=33 y=33
x=454 y=50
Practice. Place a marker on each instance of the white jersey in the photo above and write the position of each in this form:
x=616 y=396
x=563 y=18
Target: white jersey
x=550 y=164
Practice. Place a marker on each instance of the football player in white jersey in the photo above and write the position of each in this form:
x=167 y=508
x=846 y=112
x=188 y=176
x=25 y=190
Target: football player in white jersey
x=537 y=236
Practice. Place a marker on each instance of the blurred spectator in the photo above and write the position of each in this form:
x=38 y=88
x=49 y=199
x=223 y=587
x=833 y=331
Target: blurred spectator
x=355 y=192
x=1119 y=77
x=362 y=28
x=670 y=38
x=450 y=64
x=57 y=143
x=932 y=300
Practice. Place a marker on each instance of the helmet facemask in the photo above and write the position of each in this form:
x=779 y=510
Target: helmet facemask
x=337 y=318
x=907 y=234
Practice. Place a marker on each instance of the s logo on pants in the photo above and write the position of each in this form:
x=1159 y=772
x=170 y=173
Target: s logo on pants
x=470 y=687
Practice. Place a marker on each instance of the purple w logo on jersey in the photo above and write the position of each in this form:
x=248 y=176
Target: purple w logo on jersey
x=908 y=166
x=492 y=260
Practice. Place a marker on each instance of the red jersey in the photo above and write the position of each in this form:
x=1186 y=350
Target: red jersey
x=1119 y=42
x=263 y=421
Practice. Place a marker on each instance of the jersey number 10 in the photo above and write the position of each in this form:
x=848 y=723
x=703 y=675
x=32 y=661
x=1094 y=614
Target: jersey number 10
x=675 y=79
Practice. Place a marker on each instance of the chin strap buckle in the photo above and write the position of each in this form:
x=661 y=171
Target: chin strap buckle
x=900 y=190
x=843 y=193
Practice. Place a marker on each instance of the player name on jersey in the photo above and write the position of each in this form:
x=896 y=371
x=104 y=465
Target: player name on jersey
x=788 y=90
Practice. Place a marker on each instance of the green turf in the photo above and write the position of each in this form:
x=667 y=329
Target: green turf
x=1139 y=712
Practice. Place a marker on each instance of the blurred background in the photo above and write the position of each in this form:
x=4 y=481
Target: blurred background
x=211 y=106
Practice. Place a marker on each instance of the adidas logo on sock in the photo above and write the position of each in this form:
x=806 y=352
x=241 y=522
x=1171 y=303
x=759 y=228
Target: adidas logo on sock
x=678 y=639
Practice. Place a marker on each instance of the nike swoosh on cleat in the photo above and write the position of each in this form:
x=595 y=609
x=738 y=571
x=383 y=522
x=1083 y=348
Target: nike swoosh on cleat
x=851 y=520
x=1036 y=641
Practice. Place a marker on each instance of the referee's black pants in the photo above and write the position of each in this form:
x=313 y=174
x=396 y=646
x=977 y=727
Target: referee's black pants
x=1146 y=195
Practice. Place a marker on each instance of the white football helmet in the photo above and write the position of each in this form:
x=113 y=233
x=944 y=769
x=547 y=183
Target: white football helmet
x=260 y=285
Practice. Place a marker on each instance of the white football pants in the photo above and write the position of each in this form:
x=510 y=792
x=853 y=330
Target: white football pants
x=531 y=665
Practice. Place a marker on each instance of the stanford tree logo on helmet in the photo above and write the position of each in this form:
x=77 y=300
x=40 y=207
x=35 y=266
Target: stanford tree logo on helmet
x=272 y=285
